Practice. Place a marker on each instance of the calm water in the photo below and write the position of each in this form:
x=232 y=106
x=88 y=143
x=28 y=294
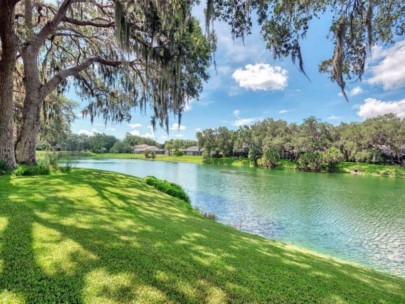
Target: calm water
x=360 y=219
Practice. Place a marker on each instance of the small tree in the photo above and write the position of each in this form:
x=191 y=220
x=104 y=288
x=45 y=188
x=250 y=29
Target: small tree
x=270 y=159
x=332 y=156
x=254 y=155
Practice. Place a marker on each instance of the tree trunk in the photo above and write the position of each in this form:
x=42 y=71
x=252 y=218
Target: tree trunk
x=28 y=132
x=7 y=64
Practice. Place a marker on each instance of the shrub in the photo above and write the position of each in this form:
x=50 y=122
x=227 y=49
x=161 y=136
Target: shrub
x=332 y=157
x=4 y=168
x=167 y=187
x=150 y=154
x=363 y=156
x=50 y=159
x=254 y=155
x=270 y=159
x=178 y=153
x=310 y=161
x=26 y=170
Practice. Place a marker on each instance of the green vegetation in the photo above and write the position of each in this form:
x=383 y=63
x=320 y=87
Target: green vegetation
x=370 y=169
x=28 y=170
x=101 y=237
x=313 y=144
x=167 y=187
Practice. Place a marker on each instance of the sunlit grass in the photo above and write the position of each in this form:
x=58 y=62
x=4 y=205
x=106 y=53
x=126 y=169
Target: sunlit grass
x=101 y=237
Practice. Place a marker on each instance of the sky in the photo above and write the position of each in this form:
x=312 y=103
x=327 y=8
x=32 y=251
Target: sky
x=249 y=85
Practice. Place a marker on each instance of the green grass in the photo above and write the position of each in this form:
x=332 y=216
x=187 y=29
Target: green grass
x=101 y=237
x=228 y=161
x=168 y=158
x=371 y=169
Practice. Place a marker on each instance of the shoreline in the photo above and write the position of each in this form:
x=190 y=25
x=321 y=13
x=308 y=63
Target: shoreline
x=361 y=169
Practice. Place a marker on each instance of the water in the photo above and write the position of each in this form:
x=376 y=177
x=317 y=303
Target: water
x=359 y=219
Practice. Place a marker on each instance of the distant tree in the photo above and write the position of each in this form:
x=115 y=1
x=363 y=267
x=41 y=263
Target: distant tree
x=101 y=143
x=332 y=156
x=121 y=147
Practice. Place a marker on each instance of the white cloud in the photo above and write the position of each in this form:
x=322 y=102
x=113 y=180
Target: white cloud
x=135 y=125
x=135 y=132
x=149 y=135
x=178 y=135
x=355 y=91
x=234 y=50
x=236 y=113
x=373 y=107
x=177 y=127
x=244 y=121
x=387 y=66
x=334 y=117
x=89 y=133
x=284 y=111
x=198 y=130
x=261 y=77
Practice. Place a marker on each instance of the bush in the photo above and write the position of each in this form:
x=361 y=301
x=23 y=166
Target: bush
x=363 y=156
x=150 y=154
x=254 y=155
x=51 y=159
x=4 y=168
x=332 y=157
x=270 y=159
x=310 y=161
x=25 y=170
x=178 y=153
x=167 y=187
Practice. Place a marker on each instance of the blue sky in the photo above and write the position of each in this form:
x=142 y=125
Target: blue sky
x=249 y=86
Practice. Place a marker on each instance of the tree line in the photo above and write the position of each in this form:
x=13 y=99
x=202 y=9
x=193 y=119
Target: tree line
x=103 y=143
x=311 y=143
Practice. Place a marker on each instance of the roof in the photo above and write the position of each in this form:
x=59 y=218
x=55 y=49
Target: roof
x=192 y=149
x=145 y=147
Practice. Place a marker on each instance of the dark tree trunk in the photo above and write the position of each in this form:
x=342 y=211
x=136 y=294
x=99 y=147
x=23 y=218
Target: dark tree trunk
x=28 y=132
x=7 y=65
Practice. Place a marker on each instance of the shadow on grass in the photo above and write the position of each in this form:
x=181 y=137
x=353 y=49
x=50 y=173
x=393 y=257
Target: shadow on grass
x=99 y=237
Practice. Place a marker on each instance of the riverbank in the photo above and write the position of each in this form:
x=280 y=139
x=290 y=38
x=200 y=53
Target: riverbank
x=343 y=167
x=94 y=236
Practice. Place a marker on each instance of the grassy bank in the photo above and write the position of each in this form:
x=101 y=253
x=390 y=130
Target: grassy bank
x=168 y=158
x=101 y=237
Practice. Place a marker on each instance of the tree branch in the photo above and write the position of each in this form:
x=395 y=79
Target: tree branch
x=72 y=71
x=52 y=25
x=88 y=23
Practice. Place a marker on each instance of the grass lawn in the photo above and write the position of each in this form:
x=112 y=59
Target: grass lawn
x=371 y=169
x=170 y=158
x=102 y=237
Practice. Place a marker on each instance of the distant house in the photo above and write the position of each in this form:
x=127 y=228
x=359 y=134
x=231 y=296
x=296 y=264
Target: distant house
x=192 y=151
x=144 y=147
